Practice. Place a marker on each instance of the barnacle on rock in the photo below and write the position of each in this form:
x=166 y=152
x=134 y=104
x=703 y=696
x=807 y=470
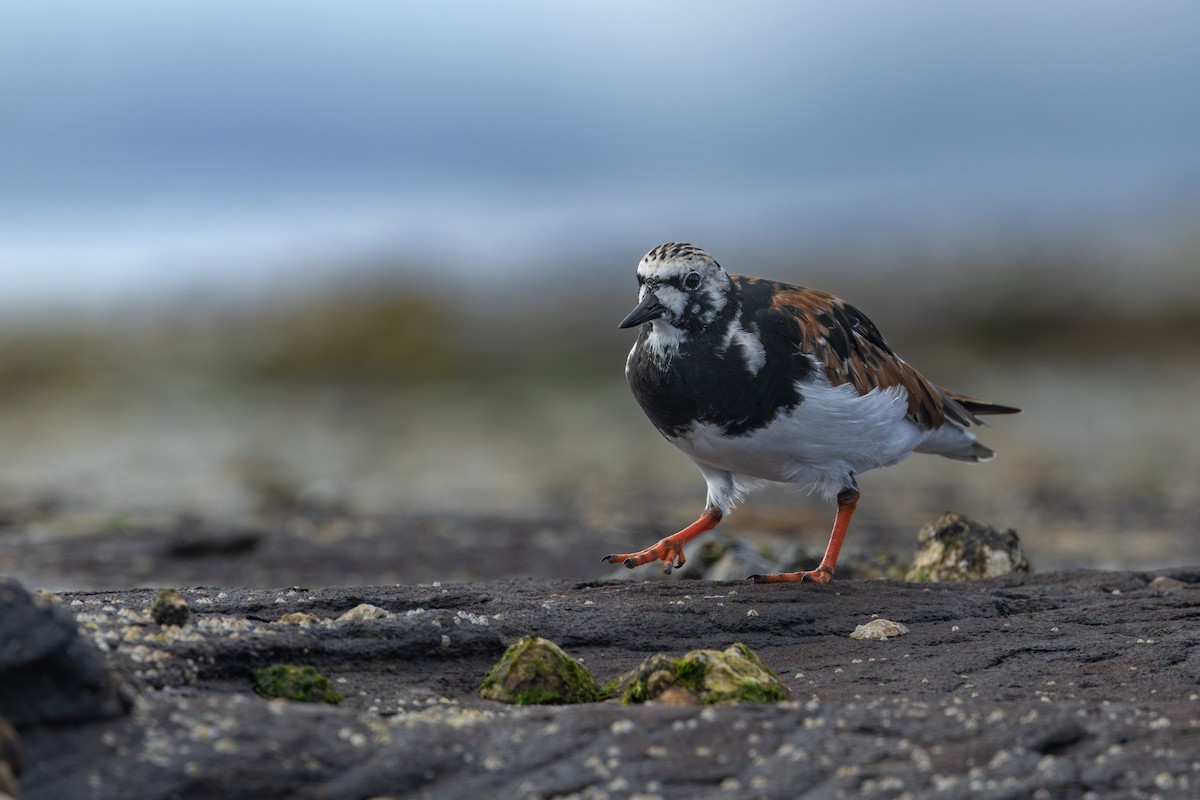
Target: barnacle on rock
x=880 y=630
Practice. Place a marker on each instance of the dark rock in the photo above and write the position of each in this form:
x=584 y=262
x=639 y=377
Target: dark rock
x=958 y=548
x=201 y=544
x=12 y=759
x=535 y=671
x=48 y=672
x=1065 y=684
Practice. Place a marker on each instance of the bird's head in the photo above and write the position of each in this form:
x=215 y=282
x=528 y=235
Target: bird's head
x=679 y=285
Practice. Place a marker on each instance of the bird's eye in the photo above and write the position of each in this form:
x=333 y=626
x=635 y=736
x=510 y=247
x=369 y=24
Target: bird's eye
x=692 y=281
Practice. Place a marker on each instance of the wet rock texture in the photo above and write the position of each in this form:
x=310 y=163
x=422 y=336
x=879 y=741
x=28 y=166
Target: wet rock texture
x=1075 y=684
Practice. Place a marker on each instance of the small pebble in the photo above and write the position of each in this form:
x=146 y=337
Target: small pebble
x=363 y=611
x=1163 y=583
x=169 y=608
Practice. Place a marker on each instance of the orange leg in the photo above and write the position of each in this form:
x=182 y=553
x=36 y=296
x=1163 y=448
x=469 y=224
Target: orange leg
x=847 y=499
x=670 y=549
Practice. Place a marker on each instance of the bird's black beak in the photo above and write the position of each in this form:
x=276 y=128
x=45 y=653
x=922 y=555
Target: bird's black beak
x=646 y=310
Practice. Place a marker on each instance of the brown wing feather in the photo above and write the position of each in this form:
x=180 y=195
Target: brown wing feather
x=853 y=351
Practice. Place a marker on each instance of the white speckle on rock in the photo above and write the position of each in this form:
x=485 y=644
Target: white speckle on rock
x=622 y=726
x=1164 y=781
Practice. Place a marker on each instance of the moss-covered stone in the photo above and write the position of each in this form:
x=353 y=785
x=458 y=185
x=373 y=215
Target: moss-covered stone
x=170 y=608
x=535 y=671
x=295 y=683
x=958 y=548
x=733 y=675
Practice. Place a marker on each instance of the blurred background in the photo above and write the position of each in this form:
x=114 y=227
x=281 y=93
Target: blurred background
x=327 y=293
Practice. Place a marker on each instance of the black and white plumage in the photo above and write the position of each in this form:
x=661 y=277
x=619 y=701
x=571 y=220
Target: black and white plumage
x=759 y=381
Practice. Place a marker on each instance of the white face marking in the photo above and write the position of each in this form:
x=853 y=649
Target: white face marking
x=752 y=347
x=717 y=299
x=664 y=339
x=670 y=297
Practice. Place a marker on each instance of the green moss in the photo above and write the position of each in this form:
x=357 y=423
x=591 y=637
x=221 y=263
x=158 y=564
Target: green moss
x=756 y=693
x=689 y=673
x=735 y=675
x=535 y=671
x=295 y=683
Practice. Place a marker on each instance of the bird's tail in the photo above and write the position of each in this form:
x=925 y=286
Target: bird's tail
x=975 y=453
x=972 y=407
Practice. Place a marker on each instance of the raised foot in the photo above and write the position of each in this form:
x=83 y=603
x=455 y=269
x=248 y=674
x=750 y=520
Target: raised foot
x=666 y=551
x=818 y=575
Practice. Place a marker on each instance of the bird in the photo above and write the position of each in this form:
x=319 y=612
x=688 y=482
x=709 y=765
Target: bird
x=763 y=382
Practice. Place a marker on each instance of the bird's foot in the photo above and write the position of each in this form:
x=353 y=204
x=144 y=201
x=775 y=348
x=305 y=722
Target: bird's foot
x=667 y=551
x=818 y=575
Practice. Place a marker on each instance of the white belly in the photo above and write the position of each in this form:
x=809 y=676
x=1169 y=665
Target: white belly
x=833 y=434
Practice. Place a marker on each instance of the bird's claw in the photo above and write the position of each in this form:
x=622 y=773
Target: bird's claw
x=666 y=551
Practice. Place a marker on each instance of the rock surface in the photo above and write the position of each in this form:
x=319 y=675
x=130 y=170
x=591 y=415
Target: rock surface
x=1075 y=684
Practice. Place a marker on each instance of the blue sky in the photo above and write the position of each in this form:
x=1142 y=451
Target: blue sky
x=160 y=148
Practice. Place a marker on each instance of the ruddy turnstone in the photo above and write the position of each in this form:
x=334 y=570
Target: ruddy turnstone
x=759 y=381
